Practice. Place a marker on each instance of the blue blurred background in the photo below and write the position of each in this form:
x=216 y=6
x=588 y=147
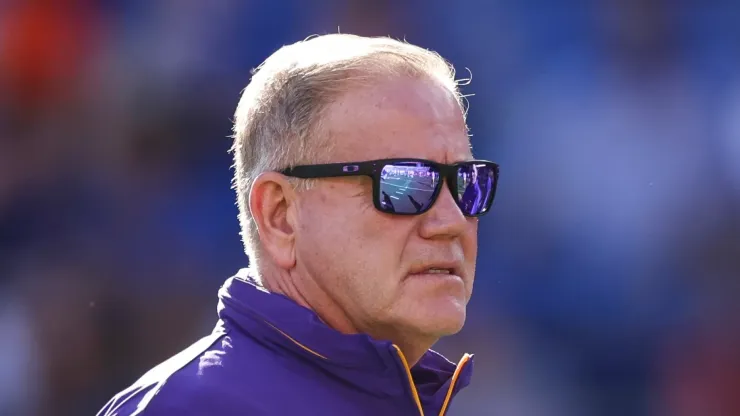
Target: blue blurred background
x=609 y=270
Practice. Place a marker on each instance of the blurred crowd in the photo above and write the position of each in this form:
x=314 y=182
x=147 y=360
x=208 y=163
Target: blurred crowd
x=608 y=278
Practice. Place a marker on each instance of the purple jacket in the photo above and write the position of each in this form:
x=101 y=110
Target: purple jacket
x=271 y=356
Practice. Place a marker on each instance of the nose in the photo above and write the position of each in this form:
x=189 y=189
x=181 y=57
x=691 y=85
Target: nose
x=444 y=219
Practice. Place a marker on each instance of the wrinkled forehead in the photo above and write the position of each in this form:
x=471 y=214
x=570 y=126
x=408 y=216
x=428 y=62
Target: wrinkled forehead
x=398 y=118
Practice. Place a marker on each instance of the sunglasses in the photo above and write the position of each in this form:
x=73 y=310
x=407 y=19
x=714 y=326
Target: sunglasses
x=411 y=186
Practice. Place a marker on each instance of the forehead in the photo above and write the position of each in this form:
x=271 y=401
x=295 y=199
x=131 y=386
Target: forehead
x=398 y=118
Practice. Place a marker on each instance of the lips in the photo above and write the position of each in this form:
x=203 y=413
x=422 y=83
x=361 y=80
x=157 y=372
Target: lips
x=437 y=268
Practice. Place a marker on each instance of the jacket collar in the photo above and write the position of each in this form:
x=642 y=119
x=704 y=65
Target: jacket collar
x=368 y=363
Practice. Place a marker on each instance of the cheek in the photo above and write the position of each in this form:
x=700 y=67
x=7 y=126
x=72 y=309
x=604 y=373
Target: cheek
x=383 y=241
x=345 y=238
x=387 y=238
x=324 y=229
x=366 y=248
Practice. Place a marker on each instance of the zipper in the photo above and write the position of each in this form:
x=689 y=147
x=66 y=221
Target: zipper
x=410 y=379
x=458 y=370
x=464 y=360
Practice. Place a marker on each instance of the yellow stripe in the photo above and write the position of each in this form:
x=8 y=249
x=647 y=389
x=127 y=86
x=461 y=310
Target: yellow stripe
x=411 y=380
x=296 y=342
x=458 y=370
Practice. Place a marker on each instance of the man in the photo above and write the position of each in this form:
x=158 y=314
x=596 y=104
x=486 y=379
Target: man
x=347 y=289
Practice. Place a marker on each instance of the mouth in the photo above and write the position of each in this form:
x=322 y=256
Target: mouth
x=440 y=271
x=436 y=270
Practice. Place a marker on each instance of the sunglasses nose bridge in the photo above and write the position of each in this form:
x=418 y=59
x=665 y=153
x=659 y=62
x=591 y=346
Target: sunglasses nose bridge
x=447 y=193
x=445 y=218
x=449 y=183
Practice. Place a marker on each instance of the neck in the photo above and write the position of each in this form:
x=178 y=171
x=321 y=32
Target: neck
x=308 y=294
x=413 y=350
x=278 y=282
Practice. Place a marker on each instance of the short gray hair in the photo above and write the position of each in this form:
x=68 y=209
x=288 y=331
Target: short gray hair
x=278 y=122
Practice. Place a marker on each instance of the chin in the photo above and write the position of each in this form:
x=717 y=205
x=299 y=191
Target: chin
x=440 y=321
x=432 y=310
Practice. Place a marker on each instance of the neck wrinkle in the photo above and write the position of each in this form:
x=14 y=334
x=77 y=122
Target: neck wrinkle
x=277 y=283
x=313 y=298
x=334 y=316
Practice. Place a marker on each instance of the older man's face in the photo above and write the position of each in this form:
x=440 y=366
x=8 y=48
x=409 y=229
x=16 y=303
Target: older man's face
x=364 y=259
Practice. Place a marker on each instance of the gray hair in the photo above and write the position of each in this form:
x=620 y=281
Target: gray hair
x=278 y=122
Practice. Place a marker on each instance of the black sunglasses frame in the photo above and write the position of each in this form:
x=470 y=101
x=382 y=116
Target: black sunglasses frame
x=373 y=169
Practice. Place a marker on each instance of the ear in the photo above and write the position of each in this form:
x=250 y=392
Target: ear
x=272 y=203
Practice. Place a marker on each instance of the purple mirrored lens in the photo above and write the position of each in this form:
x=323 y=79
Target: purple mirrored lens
x=475 y=187
x=407 y=187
